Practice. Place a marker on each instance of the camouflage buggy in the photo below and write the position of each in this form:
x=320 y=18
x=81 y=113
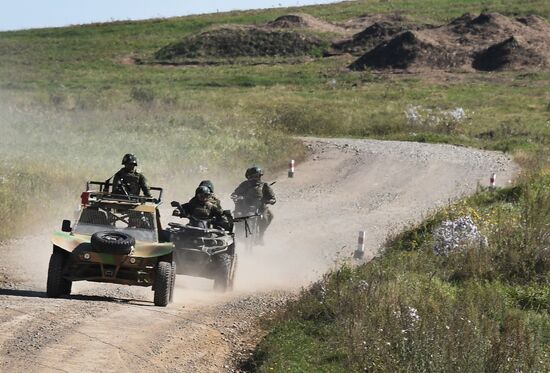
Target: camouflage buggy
x=116 y=239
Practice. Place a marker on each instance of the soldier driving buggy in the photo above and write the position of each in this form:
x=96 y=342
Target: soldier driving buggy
x=116 y=239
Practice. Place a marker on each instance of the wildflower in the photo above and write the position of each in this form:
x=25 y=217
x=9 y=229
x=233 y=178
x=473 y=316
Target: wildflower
x=453 y=235
x=413 y=315
x=363 y=285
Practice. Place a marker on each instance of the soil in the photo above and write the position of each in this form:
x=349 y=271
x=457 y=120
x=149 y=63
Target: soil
x=372 y=36
x=305 y=21
x=242 y=41
x=344 y=186
x=487 y=42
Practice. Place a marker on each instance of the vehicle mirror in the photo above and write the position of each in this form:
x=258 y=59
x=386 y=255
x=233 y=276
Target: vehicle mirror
x=66 y=226
x=174 y=203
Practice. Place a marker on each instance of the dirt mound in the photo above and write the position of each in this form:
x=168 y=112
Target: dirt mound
x=372 y=36
x=408 y=49
x=364 y=21
x=487 y=27
x=489 y=41
x=535 y=22
x=241 y=41
x=511 y=54
x=304 y=21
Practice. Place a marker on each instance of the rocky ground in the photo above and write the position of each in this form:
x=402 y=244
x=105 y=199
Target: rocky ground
x=344 y=186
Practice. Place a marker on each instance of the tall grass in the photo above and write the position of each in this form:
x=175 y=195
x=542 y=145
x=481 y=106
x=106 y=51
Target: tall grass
x=481 y=309
x=47 y=154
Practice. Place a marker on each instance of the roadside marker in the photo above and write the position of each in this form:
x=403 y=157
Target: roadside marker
x=360 y=252
x=493 y=180
x=291 y=168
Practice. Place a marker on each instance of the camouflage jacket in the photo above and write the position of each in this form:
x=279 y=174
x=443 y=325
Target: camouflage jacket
x=254 y=193
x=131 y=183
x=202 y=210
x=216 y=201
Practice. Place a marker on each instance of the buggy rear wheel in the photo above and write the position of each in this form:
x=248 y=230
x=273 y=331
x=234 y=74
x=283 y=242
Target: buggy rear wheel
x=173 y=281
x=56 y=285
x=163 y=284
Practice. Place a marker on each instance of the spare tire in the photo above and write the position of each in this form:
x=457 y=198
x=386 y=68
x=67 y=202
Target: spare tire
x=112 y=242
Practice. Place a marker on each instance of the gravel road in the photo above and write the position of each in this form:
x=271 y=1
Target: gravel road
x=343 y=187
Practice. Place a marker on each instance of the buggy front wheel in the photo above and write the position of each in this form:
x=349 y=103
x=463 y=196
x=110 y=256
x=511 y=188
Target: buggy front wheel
x=163 y=284
x=57 y=285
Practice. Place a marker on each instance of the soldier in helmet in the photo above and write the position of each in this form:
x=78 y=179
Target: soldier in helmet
x=215 y=200
x=253 y=192
x=128 y=181
x=202 y=207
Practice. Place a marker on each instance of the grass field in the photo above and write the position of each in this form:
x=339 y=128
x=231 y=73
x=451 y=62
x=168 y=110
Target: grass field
x=481 y=309
x=73 y=102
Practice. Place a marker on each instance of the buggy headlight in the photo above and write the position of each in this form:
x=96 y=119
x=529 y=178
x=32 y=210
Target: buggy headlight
x=87 y=256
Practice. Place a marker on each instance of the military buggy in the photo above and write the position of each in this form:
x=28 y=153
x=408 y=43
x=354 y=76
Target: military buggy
x=115 y=239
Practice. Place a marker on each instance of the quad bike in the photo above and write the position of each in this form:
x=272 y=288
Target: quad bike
x=203 y=249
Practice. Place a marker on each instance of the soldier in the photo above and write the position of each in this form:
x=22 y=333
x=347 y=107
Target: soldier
x=128 y=181
x=213 y=198
x=253 y=192
x=202 y=207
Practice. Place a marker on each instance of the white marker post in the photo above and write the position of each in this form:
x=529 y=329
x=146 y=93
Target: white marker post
x=291 y=168
x=360 y=252
x=493 y=180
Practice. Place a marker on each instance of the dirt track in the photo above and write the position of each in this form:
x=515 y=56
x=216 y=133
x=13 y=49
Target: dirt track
x=344 y=187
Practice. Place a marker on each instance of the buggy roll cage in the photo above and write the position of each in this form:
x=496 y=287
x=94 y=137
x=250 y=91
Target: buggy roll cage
x=103 y=187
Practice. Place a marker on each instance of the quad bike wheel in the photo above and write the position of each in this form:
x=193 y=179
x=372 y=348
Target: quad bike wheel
x=163 y=284
x=223 y=280
x=56 y=285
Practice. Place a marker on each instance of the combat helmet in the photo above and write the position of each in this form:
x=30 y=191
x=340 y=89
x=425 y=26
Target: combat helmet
x=208 y=184
x=202 y=193
x=129 y=159
x=253 y=171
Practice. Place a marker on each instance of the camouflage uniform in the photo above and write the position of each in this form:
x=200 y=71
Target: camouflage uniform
x=130 y=182
x=202 y=210
x=209 y=210
x=215 y=201
x=257 y=194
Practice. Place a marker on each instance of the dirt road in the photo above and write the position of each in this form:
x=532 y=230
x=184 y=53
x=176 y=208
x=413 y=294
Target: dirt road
x=345 y=186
